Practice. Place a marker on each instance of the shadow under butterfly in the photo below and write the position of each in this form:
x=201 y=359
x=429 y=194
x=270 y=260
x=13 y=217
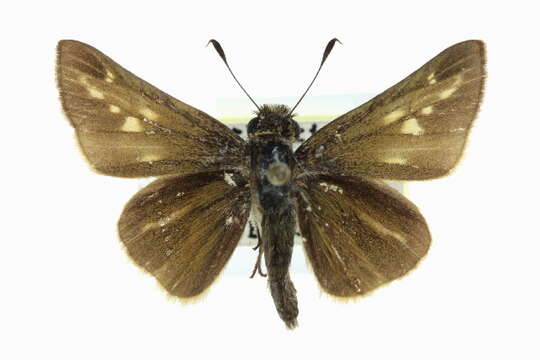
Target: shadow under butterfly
x=183 y=227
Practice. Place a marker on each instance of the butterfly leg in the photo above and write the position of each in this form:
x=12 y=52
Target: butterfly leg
x=257 y=267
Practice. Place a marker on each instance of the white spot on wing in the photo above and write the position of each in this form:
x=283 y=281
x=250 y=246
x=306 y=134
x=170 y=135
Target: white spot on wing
x=95 y=93
x=393 y=116
x=396 y=160
x=331 y=187
x=427 y=110
x=228 y=179
x=148 y=114
x=447 y=93
x=411 y=127
x=132 y=124
x=431 y=79
x=110 y=77
x=114 y=109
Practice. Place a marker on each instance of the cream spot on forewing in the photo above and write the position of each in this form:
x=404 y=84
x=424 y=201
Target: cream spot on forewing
x=95 y=93
x=110 y=77
x=431 y=79
x=411 y=127
x=148 y=114
x=427 y=110
x=396 y=160
x=447 y=93
x=114 y=109
x=132 y=124
x=393 y=116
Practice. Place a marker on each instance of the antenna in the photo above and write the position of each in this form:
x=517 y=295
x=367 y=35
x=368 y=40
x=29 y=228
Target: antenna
x=221 y=53
x=327 y=51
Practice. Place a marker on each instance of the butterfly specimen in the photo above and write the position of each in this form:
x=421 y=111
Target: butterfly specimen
x=358 y=232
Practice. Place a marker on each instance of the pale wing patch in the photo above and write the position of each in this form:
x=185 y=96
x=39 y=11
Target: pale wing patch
x=132 y=124
x=394 y=116
x=110 y=76
x=395 y=160
x=114 y=109
x=150 y=158
x=411 y=127
x=431 y=79
x=149 y=114
x=95 y=93
x=427 y=110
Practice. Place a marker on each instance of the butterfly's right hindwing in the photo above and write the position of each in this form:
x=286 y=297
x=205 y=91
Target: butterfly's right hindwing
x=359 y=234
x=127 y=127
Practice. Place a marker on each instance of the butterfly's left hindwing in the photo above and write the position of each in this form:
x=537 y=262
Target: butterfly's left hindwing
x=359 y=233
x=183 y=230
x=127 y=127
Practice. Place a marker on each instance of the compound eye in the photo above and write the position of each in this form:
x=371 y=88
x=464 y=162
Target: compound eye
x=252 y=125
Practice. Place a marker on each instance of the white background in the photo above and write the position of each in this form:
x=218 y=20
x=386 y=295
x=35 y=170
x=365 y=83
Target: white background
x=68 y=290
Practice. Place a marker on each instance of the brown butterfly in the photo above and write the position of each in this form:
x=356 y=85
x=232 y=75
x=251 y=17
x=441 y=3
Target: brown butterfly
x=358 y=232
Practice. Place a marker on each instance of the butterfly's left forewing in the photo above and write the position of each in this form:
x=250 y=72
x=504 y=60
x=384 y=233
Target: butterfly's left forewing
x=359 y=233
x=129 y=128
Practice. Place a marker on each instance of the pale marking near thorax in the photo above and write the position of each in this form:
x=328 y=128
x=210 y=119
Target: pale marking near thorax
x=331 y=187
x=228 y=179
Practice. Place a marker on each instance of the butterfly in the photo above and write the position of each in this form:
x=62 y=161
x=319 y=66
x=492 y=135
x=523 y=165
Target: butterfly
x=358 y=232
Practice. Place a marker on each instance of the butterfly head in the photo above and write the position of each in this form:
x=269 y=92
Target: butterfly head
x=274 y=120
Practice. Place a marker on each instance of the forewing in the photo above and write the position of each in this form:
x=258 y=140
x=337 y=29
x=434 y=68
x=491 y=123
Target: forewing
x=183 y=230
x=127 y=127
x=359 y=234
x=414 y=130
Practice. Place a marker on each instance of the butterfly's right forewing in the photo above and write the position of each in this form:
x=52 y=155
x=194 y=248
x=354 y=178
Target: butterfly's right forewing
x=415 y=130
